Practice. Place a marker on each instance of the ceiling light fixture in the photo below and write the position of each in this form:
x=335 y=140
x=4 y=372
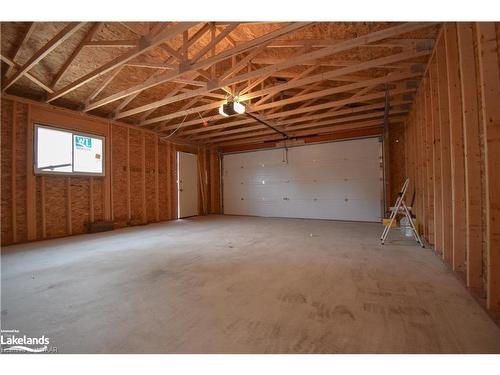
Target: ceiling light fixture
x=231 y=108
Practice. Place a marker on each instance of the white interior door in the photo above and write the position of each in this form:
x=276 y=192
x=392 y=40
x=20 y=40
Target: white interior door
x=337 y=180
x=187 y=185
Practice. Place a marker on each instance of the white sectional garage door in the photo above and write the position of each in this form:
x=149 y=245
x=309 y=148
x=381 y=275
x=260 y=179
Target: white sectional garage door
x=338 y=181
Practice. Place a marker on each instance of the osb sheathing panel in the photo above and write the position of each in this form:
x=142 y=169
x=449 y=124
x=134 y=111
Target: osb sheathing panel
x=163 y=168
x=56 y=197
x=56 y=194
x=136 y=167
x=120 y=174
x=20 y=193
x=98 y=198
x=40 y=234
x=150 y=143
x=80 y=204
x=397 y=159
x=7 y=124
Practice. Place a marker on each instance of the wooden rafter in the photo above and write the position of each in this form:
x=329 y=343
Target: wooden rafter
x=300 y=85
x=104 y=84
x=147 y=44
x=169 y=61
x=202 y=64
x=325 y=129
x=288 y=129
x=338 y=72
x=86 y=39
x=322 y=106
x=213 y=43
x=333 y=113
x=112 y=43
x=51 y=45
x=31 y=77
x=278 y=88
x=19 y=46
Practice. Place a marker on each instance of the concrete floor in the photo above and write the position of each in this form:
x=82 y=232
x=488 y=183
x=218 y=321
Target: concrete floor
x=241 y=285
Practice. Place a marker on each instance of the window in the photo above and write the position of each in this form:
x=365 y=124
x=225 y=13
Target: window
x=61 y=151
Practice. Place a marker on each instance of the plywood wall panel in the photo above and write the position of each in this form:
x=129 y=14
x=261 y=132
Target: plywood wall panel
x=136 y=168
x=20 y=172
x=163 y=167
x=80 y=204
x=62 y=205
x=98 y=198
x=397 y=157
x=120 y=175
x=7 y=126
x=39 y=207
x=56 y=195
x=150 y=140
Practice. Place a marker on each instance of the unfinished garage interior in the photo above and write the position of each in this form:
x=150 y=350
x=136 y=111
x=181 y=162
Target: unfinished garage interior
x=222 y=187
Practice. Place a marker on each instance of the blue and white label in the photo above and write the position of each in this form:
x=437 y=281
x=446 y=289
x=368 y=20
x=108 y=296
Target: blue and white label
x=84 y=143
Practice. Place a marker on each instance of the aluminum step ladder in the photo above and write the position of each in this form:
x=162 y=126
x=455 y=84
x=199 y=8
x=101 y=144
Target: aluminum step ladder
x=402 y=208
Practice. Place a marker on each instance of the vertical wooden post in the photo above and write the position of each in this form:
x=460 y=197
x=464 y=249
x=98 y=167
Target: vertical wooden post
x=444 y=120
x=157 y=181
x=421 y=164
x=429 y=136
x=472 y=154
x=457 y=149
x=168 y=168
x=108 y=178
x=30 y=182
x=174 y=172
x=213 y=184
x=129 y=208
x=42 y=198
x=91 y=199
x=437 y=159
x=143 y=157
x=14 y=172
x=489 y=82
x=423 y=133
x=69 y=227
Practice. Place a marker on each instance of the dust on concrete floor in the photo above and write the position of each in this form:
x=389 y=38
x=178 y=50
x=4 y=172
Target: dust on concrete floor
x=223 y=284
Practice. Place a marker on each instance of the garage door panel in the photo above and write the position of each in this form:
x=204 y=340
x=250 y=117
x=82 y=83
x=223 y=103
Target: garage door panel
x=340 y=180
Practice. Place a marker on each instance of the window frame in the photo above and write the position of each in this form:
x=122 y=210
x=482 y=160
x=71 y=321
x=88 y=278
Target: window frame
x=39 y=172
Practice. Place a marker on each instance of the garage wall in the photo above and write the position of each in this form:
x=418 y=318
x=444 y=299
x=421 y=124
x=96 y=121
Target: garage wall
x=338 y=181
x=452 y=154
x=139 y=186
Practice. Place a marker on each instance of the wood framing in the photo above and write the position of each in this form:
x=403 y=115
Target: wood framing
x=470 y=118
x=456 y=149
x=446 y=186
x=64 y=34
x=489 y=83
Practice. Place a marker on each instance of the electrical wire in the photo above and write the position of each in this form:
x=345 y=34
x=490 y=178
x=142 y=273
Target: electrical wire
x=177 y=128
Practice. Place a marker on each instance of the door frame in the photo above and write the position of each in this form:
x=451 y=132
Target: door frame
x=178 y=152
